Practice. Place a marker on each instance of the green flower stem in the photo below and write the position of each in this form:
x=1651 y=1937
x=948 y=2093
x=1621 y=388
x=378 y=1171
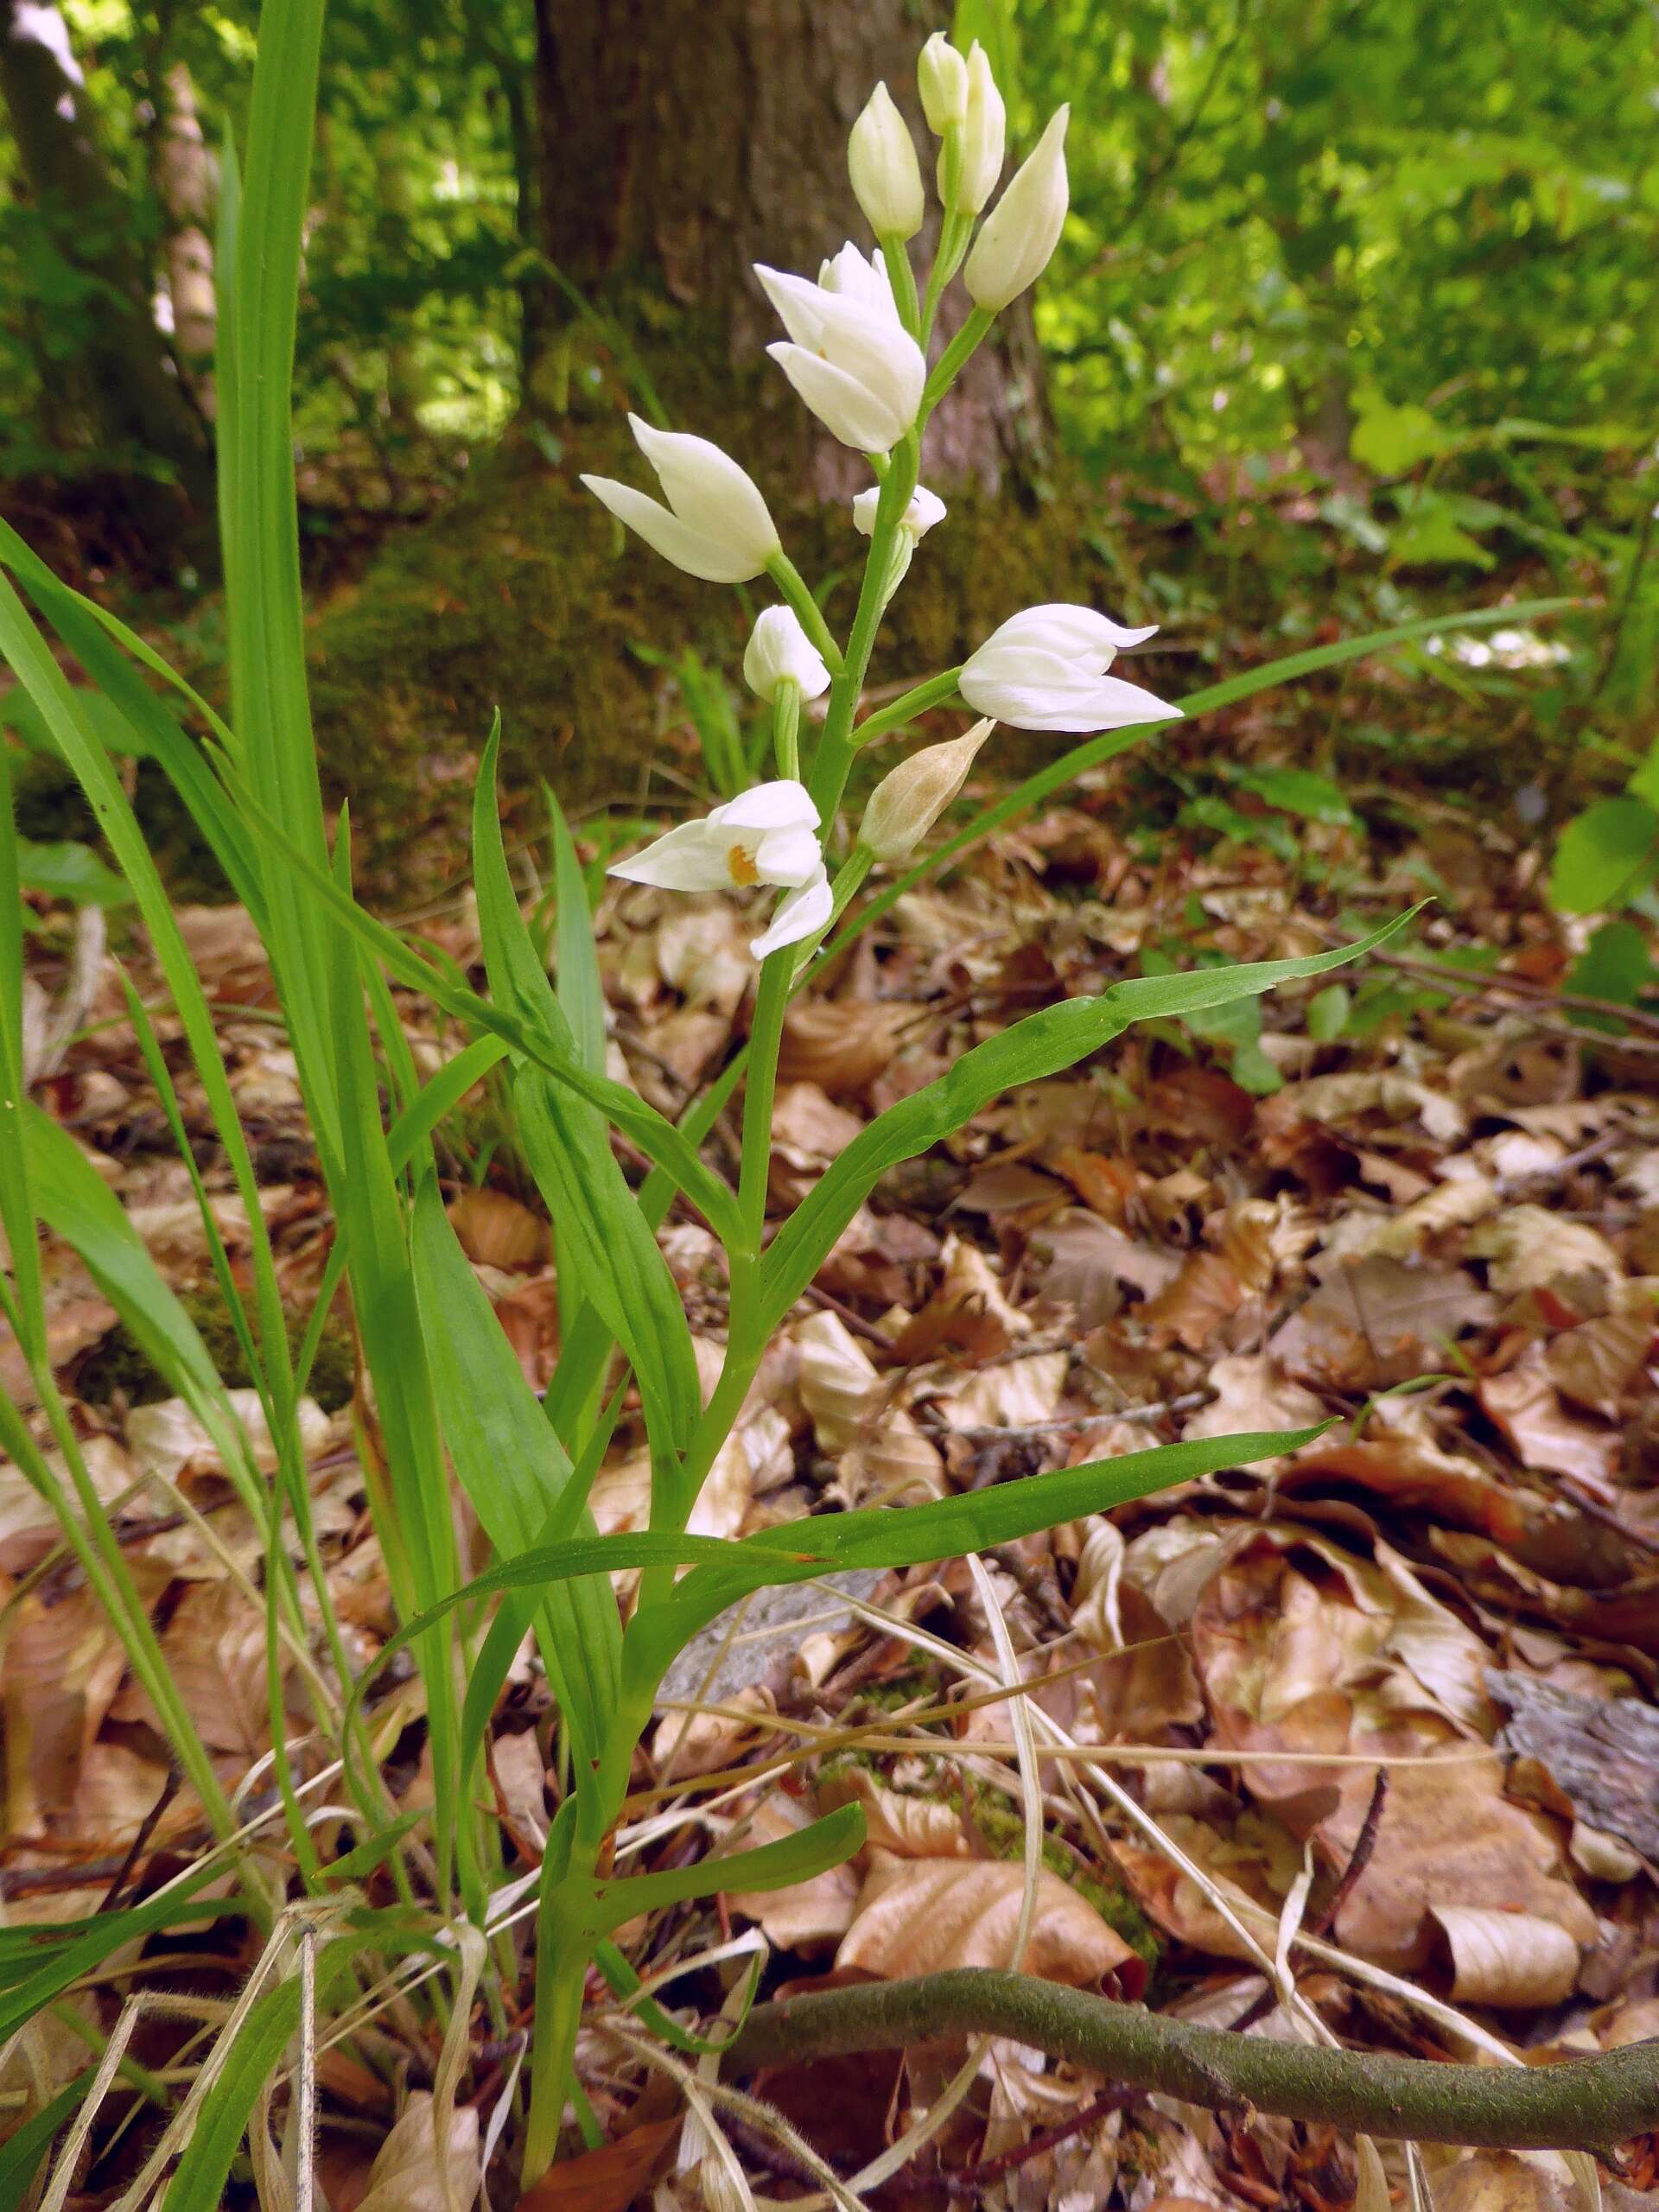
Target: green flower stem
x=765 y=1034
x=793 y=584
x=953 y=234
x=786 y=728
x=949 y=364
x=902 y=278
x=938 y=691
x=835 y=747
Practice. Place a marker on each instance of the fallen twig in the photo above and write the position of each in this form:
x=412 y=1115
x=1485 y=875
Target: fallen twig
x=1582 y=2104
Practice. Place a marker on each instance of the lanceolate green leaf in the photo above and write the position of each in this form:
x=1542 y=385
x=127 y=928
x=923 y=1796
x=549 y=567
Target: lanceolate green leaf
x=885 y=1537
x=810 y=1851
x=512 y=1466
x=1040 y=1045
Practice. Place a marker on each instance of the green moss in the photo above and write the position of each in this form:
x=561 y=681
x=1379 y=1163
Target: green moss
x=120 y=1364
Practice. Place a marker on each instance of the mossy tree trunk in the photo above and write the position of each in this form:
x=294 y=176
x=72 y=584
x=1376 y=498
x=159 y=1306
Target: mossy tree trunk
x=673 y=143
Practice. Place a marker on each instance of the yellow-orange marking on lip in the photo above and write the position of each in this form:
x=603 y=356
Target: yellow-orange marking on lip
x=739 y=862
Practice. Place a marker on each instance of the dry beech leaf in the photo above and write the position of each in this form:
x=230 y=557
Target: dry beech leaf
x=1252 y=1868
x=167 y=1438
x=608 y=2179
x=1204 y=1294
x=405 y=2177
x=1500 y=2181
x=1511 y=1960
x=702 y=951
x=63 y=1666
x=839 y=1385
x=1379 y=1321
x=1104 y=1184
x=840 y=1045
x=1595 y=1363
x=214 y=1647
x=1016 y=1395
x=1528 y=1247
x=969 y=1311
x=1527 y=1407
x=810 y=1130
x=922 y=1915
x=497 y=1231
x=1252 y=1392
x=1457 y=1204
x=22 y=1509
x=1337 y=1098
x=910 y=1828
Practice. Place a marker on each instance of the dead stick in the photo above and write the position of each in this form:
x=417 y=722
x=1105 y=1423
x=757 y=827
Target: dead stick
x=1583 y=2104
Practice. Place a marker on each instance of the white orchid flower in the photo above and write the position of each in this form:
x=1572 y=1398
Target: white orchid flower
x=1046 y=669
x=716 y=525
x=924 y=510
x=779 y=649
x=848 y=355
x=1023 y=229
x=768 y=835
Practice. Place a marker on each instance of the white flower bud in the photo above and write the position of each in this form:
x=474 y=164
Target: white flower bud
x=906 y=804
x=715 y=524
x=1023 y=229
x=925 y=508
x=984 y=133
x=942 y=79
x=779 y=648
x=886 y=173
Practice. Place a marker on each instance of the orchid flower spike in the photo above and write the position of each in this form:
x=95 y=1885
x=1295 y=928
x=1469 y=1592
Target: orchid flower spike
x=768 y=835
x=848 y=355
x=715 y=524
x=1046 y=669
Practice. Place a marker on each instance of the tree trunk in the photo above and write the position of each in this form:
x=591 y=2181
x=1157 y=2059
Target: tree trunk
x=186 y=185
x=671 y=144
x=127 y=389
x=678 y=142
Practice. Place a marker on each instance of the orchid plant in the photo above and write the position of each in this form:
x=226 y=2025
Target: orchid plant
x=856 y=352
x=441 y=1376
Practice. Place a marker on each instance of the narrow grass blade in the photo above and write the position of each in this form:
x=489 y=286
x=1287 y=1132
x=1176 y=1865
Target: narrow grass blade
x=199 y=2181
